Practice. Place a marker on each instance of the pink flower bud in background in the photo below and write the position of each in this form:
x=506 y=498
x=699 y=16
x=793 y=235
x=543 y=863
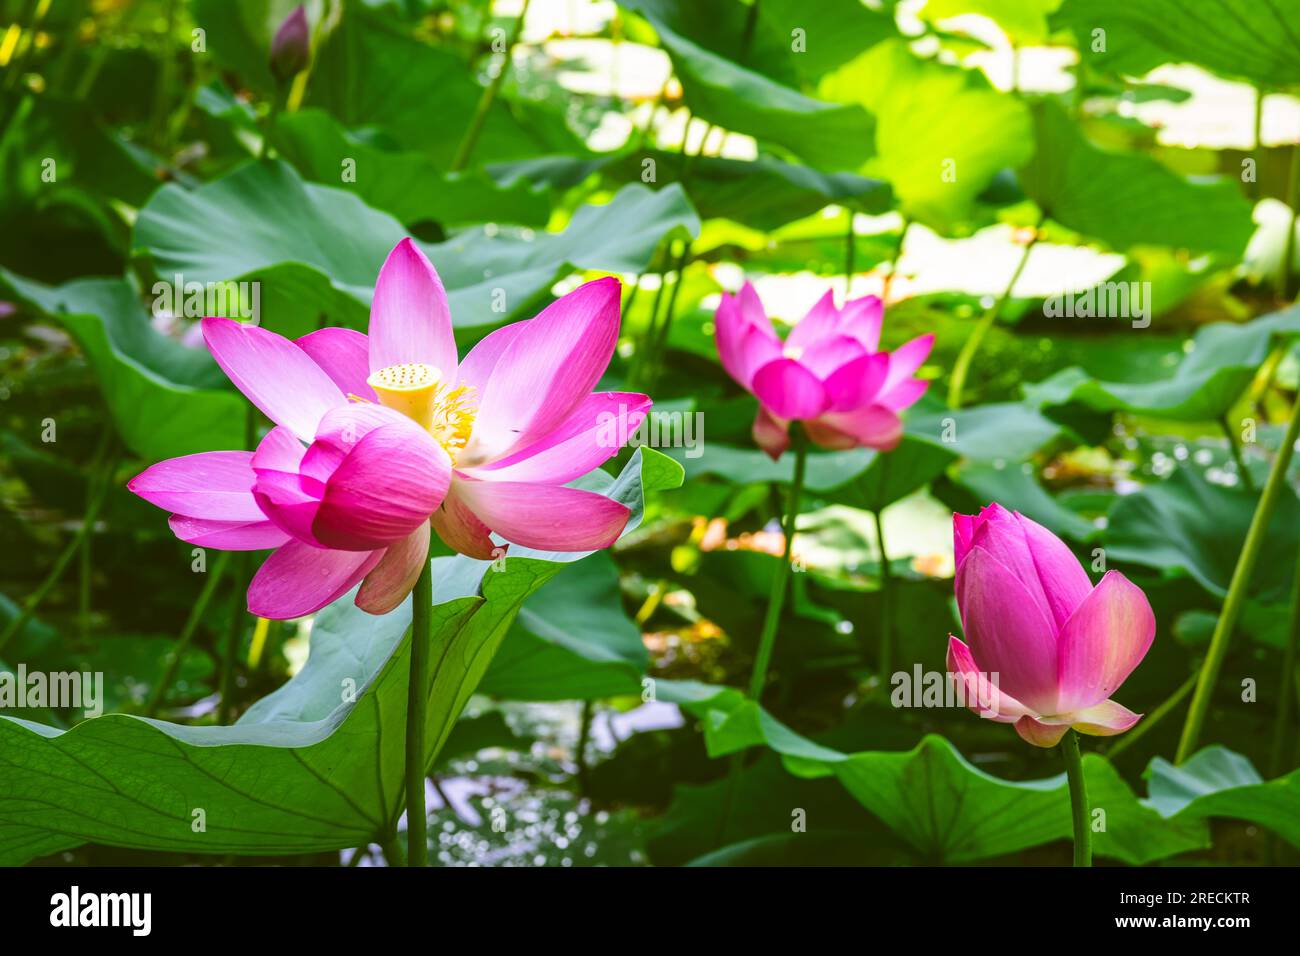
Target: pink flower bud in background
x=1054 y=646
x=291 y=47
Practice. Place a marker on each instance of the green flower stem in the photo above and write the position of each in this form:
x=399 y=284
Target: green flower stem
x=187 y=633
x=850 y=253
x=1288 y=248
x=886 y=660
x=1235 y=448
x=580 y=753
x=894 y=261
x=776 y=598
x=234 y=637
x=1078 y=799
x=417 y=707
x=655 y=356
x=1232 y=604
x=961 y=368
x=97 y=493
x=1288 y=689
x=467 y=144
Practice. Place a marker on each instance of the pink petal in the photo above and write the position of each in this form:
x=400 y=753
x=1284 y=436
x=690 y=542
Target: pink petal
x=1065 y=582
x=1006 y=630
x=827 y=436
x=276 y=375
x=752 y=311
x=483 y=357
x=549 y=367
x=460 y=529
x=342 y=428
x=227 y=535
x=832 y=352
x=871 y=427
x=862 y=319
x=394 y=576
x=789 y=390
x=819 y=323
x=983 y=695
x=1001 y=534
x=388 y=484
x=729 y=328
x=906 y=359
x=278 y=451
x=213 y=484
x=546 y=517
x=344 y=354
x=856 y=383
x=963 y=529
x=591 y=435
x=1105 y=719
x=298 y=579
x=903 y=395
x=410 y=321
x=771 y=434
x=1103 y=641
x=1039 y=732
x=743 y=344
x=283 y=495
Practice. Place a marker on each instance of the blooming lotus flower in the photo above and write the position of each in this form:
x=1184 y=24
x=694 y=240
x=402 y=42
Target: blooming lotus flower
x=828 y=373
x=1059 y=646
x=377 y=437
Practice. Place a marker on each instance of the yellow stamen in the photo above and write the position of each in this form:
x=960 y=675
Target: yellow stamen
x=419 y=392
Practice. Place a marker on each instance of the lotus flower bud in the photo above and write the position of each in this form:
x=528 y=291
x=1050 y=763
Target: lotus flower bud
x=291 y=47
x=1044 y=648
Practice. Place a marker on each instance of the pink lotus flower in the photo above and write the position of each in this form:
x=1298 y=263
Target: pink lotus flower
x=828 y=374
x=376 y=436
x=1059 y=646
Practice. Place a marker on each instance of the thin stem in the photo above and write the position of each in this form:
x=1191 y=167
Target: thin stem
x=1283 y=718
x=1288 y=247
x=417 y=706
x=661 y=334
x=99 y=491
x=886 y=594
x=641 y=357
x=1150 y=720
x=166 y=79
x=893 y=263
x=234 y=638
x=86 y=563
x=466 y=148
x=850 y=252
x=1078 y=799
x=1257 y=138
x=187 y=634
x=580 y=755
x=961 y=367
x=1235 y=449
x=776 y=599
x=1232 y=604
